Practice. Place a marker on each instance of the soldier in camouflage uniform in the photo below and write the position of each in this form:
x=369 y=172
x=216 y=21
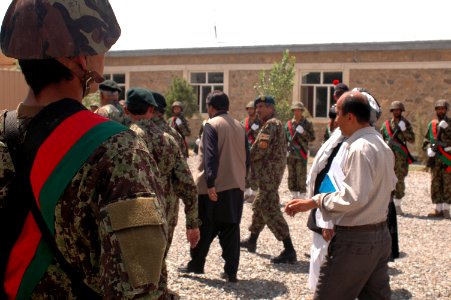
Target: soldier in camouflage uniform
x=109 y=100
x=180 y=123
x=268 y=155
x=299 y=133
x=331 y=124
x=99 y=227
x=252 y=126
x=397 y=131
x=437 y=143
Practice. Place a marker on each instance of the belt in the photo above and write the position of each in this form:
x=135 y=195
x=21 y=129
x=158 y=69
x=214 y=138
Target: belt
x=368 y=227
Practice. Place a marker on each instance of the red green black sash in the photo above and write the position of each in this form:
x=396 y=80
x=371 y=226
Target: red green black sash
x=57 y=160
x=442 y=154
x=296 y=145
x=398 y=147
x=248 y=128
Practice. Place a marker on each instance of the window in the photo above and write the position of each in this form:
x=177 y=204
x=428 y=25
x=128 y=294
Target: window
x=317 y=91
x=120 y=80
x=203 y=83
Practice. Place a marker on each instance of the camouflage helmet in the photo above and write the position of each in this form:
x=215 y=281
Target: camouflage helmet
x=298 y=105
x=397 y=105
x=441 y=103
x=250 y=104
x=177 y=103
x=42 y=29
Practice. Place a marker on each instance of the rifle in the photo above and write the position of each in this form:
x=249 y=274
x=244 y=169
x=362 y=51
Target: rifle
x=394 y=138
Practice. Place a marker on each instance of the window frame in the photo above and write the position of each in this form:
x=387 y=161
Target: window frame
x=198 y=87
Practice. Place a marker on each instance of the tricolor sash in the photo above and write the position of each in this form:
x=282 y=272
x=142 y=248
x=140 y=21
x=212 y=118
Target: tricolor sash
x=57 y=160
x=248 y=131
x=442 y=154
x=398 y=147
x=299 y=151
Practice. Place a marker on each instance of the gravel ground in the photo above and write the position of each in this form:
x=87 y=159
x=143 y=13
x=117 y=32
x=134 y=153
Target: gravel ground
x=422 y=272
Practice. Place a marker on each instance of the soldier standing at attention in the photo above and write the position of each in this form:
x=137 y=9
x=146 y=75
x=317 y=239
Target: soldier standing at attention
x=109 y=97
x=80 y=231
x=252 y=126
x=397 y=131
x=180 y=123
x=438 y=145
x=268 y=155
x=299 y=133
x=176 y=177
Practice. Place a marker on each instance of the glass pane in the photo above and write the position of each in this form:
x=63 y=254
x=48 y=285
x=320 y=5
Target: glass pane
x=106 y=76
x=205 y=91
x=218 y=88
x=307 y=97
x=216 y=77
x=321 y=102
x=329 y=77
x=196 y=91
x=198 y=78
x=119 y=78
x=312 y=77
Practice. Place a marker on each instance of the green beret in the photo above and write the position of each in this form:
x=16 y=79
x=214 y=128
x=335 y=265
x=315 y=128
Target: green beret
x=264 y=99
x=109 y=85
x=140 y=95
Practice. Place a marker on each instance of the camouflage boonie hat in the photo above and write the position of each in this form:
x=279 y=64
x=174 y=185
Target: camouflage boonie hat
x=42 y=29
x=264 y=99
x=441 y=103
x=298 y=105
x=397 y=105
x=250 y=104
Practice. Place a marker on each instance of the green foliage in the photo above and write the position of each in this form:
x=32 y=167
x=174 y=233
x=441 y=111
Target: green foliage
x=181 y=90
x=91 y=98
x=279 y=84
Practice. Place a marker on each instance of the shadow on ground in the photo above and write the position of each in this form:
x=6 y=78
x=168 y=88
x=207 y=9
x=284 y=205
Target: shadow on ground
x=400 y=294
x=246 y=289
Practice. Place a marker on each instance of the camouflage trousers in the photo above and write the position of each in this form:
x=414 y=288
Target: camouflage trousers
x=250 y=182
x=297 y=174
x=401 y=169
x=440 y=183
x=266 y=211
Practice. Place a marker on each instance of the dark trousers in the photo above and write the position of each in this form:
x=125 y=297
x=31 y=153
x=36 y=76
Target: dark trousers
x=356 y=265
x=216 y=222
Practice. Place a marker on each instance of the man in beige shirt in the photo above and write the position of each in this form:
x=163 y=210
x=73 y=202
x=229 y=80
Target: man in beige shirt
x=356 y=263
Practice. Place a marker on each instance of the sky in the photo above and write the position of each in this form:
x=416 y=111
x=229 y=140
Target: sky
x=165 y=24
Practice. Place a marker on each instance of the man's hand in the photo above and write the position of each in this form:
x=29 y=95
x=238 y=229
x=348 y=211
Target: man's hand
x=327 y=234
x=300 y=129
x=402 y=125
x=430 y=152
x=443 y=124
x=254 y=127
x=212 y=194
x=178 y=121
x=299 y=205
x=193 y=236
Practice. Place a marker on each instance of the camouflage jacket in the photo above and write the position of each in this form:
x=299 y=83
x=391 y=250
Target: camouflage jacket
x=445 y=135
x=161 y=123
x=183 y=127
x=407 y=136
x=111 y=112
x=252 y=129
x=269 y=154
x=296 y=139
x=105 y=189
x=176 y=175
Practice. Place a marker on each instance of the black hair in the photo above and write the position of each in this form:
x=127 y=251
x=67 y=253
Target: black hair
x=39 y=73
x=358 y=106
x=218 y=100
x=138 y=108
x=333 y=112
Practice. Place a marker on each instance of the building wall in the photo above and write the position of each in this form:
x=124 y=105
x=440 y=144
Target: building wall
x=13 y=89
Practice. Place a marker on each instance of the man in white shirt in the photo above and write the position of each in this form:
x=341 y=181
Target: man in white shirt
x=356 y=264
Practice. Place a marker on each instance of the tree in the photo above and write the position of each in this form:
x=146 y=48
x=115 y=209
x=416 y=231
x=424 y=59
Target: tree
x=181 y=90
x=279 y=84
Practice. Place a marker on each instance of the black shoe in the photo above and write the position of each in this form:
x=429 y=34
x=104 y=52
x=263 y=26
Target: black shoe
x=189 y=269
x=229 y=278
x=285 y=257
x=250 y=243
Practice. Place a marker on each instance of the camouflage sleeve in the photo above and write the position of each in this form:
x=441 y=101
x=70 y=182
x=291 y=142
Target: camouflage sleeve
x=185 y=189
x=102 y=111
x=6 y=164
x=184 y=127
x=262 y=143
x=308 y=135
x=426 y=141
x=446 y=136
x=408 y=134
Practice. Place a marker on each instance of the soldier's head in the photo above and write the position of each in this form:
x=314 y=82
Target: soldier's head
x=250 y=109
x=109 y=91
x=161 y=103
x=441 y=108
x=298 y=109
x=353 y=112
x=177 y=108
x=396 y=108
x=340 y=89
x=217 y=101
x=265 y=107
x=140 y=103
x=59 y=40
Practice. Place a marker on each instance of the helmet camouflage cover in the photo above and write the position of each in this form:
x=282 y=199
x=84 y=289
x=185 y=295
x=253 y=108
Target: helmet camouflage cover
x=177 y=103
x=250 y=104
x=397 y=105
x=441 y=103
x=41 y=29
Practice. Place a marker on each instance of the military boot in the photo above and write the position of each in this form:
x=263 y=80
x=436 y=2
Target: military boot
x=435 y=213
x=288 y=255
x=446 y=214
x=250 y=243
